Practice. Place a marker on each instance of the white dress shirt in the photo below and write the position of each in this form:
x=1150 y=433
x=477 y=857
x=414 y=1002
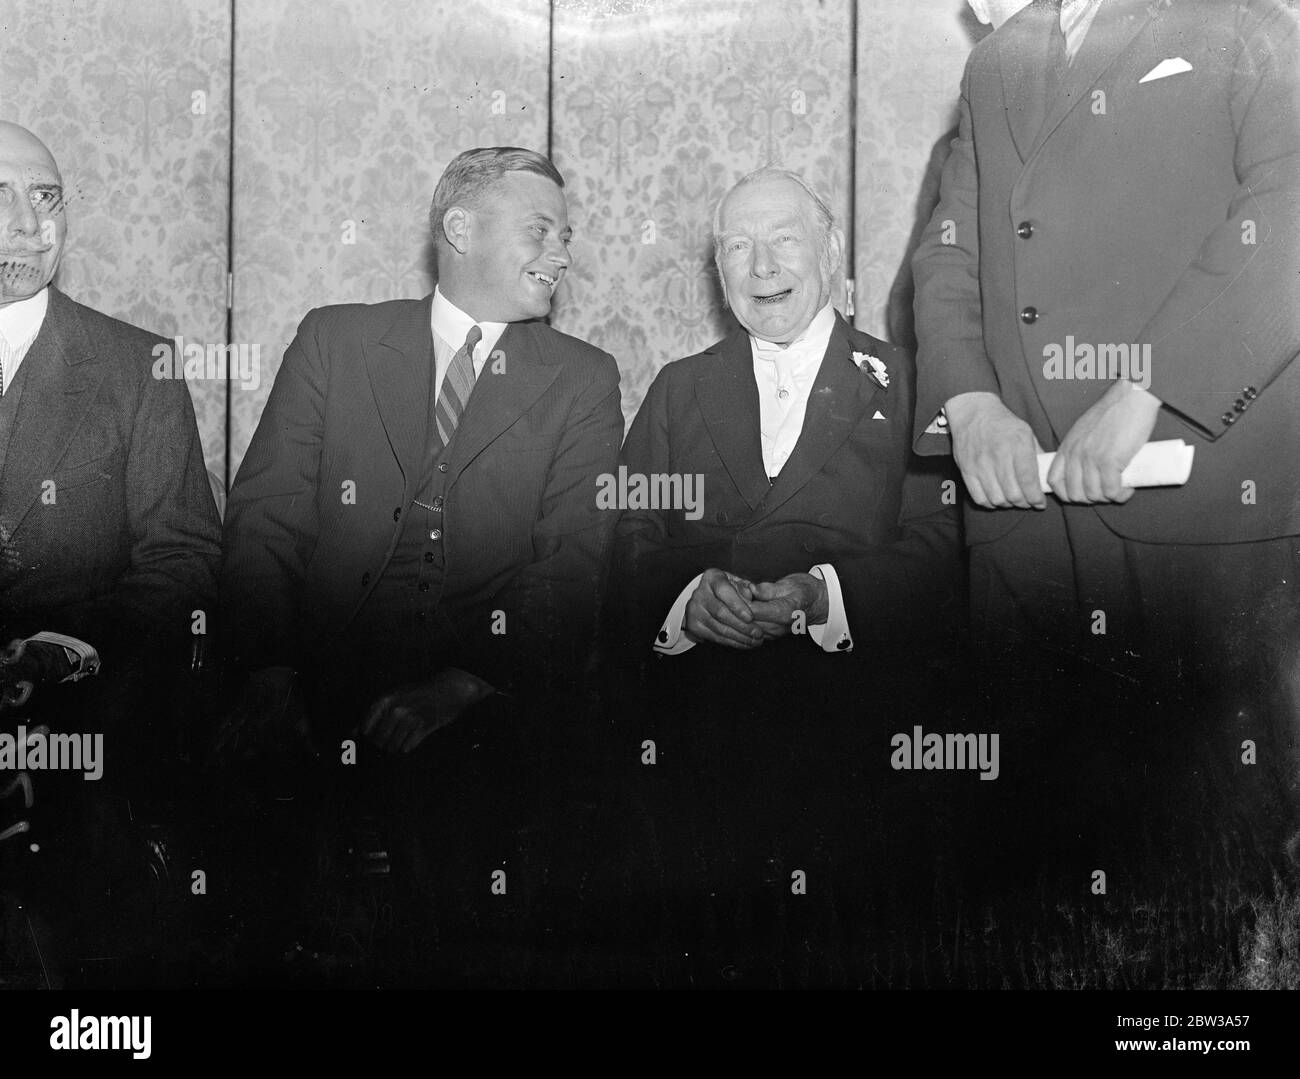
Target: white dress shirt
x=20 y=322
x=450 y=325
x=784 y=376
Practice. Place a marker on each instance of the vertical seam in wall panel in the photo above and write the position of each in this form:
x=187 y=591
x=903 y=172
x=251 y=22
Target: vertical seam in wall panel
x=852 y=230
x=550 y=74
x=230 y=249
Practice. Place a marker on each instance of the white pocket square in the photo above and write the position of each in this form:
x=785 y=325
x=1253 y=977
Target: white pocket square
x=878 y=416
x=1175 y=65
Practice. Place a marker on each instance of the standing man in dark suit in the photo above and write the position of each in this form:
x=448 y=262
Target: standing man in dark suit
x=790 y=596
x=1125 y=173
x=108 y=546
x=414 y=530
x=1113 y=262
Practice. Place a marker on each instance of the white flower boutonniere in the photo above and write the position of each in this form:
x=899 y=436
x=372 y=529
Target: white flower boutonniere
x=872 y=366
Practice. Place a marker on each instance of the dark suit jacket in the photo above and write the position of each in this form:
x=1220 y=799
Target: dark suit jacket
x=127 y=548
x=1117 y=209
x=852 y=494
x=522 y=532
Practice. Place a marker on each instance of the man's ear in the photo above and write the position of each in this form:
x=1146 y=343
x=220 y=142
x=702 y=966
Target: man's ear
x=457 y=224
x=835 y=247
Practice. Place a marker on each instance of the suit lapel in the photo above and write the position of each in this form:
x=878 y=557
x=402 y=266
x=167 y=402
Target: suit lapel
x=1117 y=23
x=61 y=384
x=839 y=396
x=507 y=386
x=728 y=400
x=1025 y=81
x=400 y=366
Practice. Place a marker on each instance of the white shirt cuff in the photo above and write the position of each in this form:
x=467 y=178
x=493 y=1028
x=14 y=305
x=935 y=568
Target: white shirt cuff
x=672 y=640
x=833 y=634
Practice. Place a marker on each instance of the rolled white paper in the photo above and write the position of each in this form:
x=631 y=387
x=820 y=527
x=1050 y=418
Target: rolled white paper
x=1157 y=464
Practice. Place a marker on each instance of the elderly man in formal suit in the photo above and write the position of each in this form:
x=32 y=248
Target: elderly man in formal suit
x=413 y=535
x=775 y=623
x=1125 y=183
x=108 y=531
x=108 y=546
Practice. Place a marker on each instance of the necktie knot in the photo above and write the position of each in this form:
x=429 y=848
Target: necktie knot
x=472 y=339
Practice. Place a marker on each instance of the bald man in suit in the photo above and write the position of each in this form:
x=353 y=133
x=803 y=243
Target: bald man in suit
x=108 y=545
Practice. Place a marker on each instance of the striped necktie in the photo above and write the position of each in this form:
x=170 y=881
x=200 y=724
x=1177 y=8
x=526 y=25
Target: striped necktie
x=457 y=385
x=1076 y=17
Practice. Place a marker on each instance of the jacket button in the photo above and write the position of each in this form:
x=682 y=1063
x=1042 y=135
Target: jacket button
x=1229 y=418
x=1239 y=405
x=442 y=466
x=436 y=534
x=721 y=517
x=1024 y=230
x=397 y=514
x=365 y=579
x=437 y=502
x=428 y=556
x=1029 y=316
x=1250 y=393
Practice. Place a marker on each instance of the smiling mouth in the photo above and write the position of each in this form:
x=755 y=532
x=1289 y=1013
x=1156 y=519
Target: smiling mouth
x=544 y=279
x=775 y=297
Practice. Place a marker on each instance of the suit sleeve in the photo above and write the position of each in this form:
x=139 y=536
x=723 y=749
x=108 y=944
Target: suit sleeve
x=272 y=521
x=174 y=530
x=1231 y=322
x=647 y=573
x=949 y=324
x=913 y=588
x=551 y=604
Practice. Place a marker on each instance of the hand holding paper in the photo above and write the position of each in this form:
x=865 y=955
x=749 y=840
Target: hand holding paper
x=1156 y=464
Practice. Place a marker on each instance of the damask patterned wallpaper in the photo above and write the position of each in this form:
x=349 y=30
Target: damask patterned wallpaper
x=346 y=112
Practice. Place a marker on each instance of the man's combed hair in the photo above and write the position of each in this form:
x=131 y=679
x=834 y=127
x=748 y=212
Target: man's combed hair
x=472 y=174
x=821 y=212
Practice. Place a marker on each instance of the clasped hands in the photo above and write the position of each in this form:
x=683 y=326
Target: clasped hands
x=997 y=451
x=728 y=610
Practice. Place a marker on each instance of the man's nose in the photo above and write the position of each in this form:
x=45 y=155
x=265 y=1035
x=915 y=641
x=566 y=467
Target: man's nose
x=762 y=262
x=21 y=218
x=558 y=253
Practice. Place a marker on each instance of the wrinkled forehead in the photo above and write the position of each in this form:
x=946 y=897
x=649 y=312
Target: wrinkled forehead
x=766 y=205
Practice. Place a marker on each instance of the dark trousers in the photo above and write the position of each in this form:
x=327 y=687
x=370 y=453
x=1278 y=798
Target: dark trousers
x=1136 y=682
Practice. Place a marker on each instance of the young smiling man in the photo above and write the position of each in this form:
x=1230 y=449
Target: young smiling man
x=414 y=525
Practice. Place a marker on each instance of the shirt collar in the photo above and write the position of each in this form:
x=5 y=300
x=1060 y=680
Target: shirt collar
x=814 y=339
x=20 y=322
x=451 y=324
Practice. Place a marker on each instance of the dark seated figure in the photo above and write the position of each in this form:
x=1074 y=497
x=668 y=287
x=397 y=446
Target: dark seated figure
x=108 y=558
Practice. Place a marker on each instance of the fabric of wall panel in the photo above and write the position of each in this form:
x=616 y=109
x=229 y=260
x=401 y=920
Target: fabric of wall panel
x=131 y=97
x=659 y=106
x=345 y=116
x=910 y=61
